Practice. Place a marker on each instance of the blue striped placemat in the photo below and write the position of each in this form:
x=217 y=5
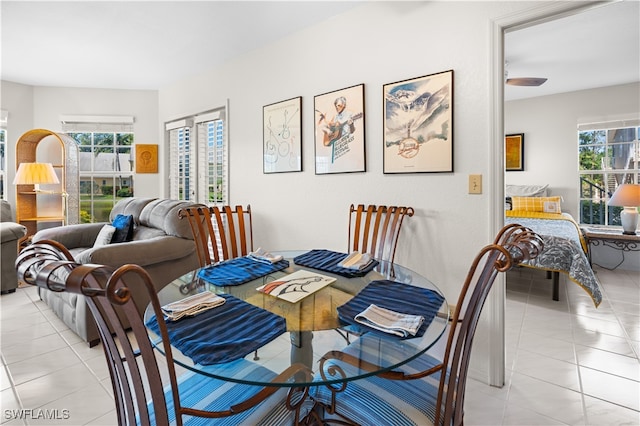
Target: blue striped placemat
x=399 y=297
x=224 y=333
x=239 y=271
x=327 y=260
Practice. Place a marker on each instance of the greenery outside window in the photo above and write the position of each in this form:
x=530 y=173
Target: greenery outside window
x=609 y=155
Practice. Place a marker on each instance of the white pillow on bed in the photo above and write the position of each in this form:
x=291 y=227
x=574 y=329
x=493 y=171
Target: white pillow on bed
x=526 y=190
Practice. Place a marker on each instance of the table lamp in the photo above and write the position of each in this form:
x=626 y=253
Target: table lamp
x=35 y=174
x=627 y=195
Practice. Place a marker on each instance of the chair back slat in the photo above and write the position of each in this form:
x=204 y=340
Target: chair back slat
x=376 y=229
x=513 y=245
x=220 y=233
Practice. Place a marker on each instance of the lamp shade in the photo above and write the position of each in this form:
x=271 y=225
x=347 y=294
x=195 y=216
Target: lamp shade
x=626 y=195
x=35 y=174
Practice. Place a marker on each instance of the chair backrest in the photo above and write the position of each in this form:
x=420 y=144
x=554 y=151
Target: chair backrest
x=513 y=245
x=220 y=233
x=375 y=229
x=136 y=376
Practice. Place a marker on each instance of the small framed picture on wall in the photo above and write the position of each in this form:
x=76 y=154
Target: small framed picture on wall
x=514 y=152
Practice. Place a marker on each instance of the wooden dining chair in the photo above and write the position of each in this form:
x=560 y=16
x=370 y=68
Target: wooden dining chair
x=220 y=233
x=428 y=389
x=376 y=229
x=148 y=392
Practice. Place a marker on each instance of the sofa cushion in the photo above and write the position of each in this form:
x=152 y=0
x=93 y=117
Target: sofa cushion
x=123 y=225
x=130 y=206
x=105 y=236
x=163 y=214
x=145 y=233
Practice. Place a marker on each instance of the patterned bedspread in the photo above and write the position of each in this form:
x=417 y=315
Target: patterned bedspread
x=564 y=249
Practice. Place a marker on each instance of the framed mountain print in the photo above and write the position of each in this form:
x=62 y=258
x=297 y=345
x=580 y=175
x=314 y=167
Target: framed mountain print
x=418 y=124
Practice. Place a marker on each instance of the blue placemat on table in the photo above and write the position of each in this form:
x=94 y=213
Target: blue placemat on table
x=327 y=260
x=399 y=297
x=225 y=333
x=239 y=271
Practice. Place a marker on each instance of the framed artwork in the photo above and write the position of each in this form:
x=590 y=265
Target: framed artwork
x=146 y=158
x=282 y=137
x=514 y=152
x=418 y=124
x=339 y=131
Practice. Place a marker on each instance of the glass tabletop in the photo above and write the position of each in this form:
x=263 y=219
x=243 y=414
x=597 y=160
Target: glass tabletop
x=312 y=332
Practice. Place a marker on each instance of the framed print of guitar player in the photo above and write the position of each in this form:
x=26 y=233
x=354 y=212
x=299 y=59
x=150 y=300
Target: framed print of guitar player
x=339 y=131
x=418 y=124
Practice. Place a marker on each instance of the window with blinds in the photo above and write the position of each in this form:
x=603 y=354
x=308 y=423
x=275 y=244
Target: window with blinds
x=198 y=158
x=106 y=157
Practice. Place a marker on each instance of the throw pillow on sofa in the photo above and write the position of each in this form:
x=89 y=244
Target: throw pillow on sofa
x=124 y=228
x=105 y=236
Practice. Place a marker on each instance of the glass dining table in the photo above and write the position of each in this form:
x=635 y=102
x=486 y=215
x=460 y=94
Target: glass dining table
x=306 y=334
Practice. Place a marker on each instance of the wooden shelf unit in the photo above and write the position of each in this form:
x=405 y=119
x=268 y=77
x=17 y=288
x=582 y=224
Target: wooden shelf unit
x=66 y=193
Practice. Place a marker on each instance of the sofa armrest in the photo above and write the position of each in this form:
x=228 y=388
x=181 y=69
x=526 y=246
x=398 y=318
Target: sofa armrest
x=140 y=252
x=11 y=231
x=71 y=236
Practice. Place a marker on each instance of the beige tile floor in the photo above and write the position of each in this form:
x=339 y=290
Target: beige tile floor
x=567 y=362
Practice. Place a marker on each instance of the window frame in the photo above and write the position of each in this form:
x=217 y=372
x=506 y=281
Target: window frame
x=599 y=172
x=199 y=157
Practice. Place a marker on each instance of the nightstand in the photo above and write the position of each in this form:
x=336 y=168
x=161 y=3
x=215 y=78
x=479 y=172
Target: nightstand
x=614 y=238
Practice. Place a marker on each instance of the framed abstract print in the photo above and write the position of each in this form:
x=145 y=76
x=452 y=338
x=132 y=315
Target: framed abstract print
x=418 y=124
x=339 y=131
x=514 y=152
x=282 y=136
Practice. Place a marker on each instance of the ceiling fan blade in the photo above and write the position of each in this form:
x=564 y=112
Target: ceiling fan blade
x=526 y=81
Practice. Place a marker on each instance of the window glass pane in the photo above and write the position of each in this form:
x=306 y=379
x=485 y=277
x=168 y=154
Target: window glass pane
x=106 y=172
x=591 y=157
x=592 y=137
x=607 y=159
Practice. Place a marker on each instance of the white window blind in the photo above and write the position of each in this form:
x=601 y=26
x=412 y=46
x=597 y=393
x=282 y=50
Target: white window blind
x=198 y=158
x=97 y=123
x=181 y=164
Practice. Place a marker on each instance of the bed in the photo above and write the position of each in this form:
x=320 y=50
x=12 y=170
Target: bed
x=565 y=248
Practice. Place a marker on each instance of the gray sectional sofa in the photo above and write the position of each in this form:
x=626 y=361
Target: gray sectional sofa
x=162 y=244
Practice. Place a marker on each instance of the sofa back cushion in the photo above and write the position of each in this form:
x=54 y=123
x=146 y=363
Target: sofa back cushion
x=130 y=206
x=6 y=214
x=163 y=214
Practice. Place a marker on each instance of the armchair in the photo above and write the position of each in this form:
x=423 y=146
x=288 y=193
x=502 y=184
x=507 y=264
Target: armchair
x=11 y=234
x=161 y=243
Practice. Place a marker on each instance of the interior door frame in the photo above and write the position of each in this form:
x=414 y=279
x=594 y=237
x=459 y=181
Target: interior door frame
x=495 y=305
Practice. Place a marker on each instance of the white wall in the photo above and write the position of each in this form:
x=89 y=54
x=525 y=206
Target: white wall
x=374 y=44
x=17 y=99
x=549 y=124
x=40 y=107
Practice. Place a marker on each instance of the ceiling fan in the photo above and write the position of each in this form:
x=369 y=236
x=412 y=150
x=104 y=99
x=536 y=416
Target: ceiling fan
x=526 y=81
x=522 y=81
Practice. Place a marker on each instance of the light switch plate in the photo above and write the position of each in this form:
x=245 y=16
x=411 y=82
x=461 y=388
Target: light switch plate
x=475 y=184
